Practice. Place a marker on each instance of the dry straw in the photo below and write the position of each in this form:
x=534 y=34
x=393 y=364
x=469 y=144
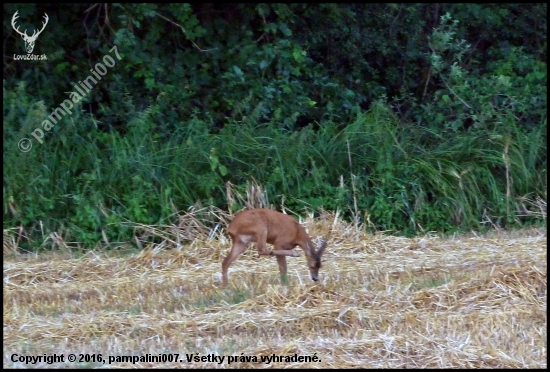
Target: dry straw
x=382 y=301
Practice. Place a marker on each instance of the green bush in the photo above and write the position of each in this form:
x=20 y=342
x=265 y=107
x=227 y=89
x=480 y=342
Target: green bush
x=418 y=117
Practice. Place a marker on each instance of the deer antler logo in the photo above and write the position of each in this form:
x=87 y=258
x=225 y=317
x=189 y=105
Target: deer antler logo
x=29 y=40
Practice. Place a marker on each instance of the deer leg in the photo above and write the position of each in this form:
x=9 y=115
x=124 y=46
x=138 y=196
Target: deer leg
x=283 y=253
x=236 y=250
x=281 y=260
x=261 y=242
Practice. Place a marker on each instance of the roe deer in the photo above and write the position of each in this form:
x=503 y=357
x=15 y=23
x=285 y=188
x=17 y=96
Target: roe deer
x=282 y=231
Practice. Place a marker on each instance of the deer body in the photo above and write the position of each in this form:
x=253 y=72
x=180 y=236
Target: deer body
x=268 y=226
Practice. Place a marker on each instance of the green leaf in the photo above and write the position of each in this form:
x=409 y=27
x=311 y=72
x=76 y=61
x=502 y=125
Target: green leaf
x=150 y=83
x=284 y=29
x=238 y=71
x=223 y=169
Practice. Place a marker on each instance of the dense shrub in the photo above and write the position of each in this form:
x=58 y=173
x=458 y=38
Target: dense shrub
x=411 y=118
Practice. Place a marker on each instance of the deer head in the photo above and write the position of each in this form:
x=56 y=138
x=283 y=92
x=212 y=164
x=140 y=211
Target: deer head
x=314 y=259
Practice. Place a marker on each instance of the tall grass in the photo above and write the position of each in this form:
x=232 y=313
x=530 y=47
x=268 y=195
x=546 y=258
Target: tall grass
x=83 y=181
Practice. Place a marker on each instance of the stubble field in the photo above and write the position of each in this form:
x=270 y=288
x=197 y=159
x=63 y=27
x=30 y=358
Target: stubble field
x=382 y=302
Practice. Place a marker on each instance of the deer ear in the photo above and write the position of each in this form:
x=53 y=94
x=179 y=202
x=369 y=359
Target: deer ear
x=322 y=248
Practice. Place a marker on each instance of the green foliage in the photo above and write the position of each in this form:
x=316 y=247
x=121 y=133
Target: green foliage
x=514 y=87
x=421 y=117
x=402 y=183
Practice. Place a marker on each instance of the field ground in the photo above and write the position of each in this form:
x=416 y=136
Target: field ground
x=382 y=302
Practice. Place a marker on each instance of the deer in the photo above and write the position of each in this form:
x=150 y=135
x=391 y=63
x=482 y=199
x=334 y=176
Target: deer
x=278 y=229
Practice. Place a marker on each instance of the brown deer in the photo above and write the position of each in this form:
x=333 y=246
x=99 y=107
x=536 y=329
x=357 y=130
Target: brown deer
x=282 y=231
